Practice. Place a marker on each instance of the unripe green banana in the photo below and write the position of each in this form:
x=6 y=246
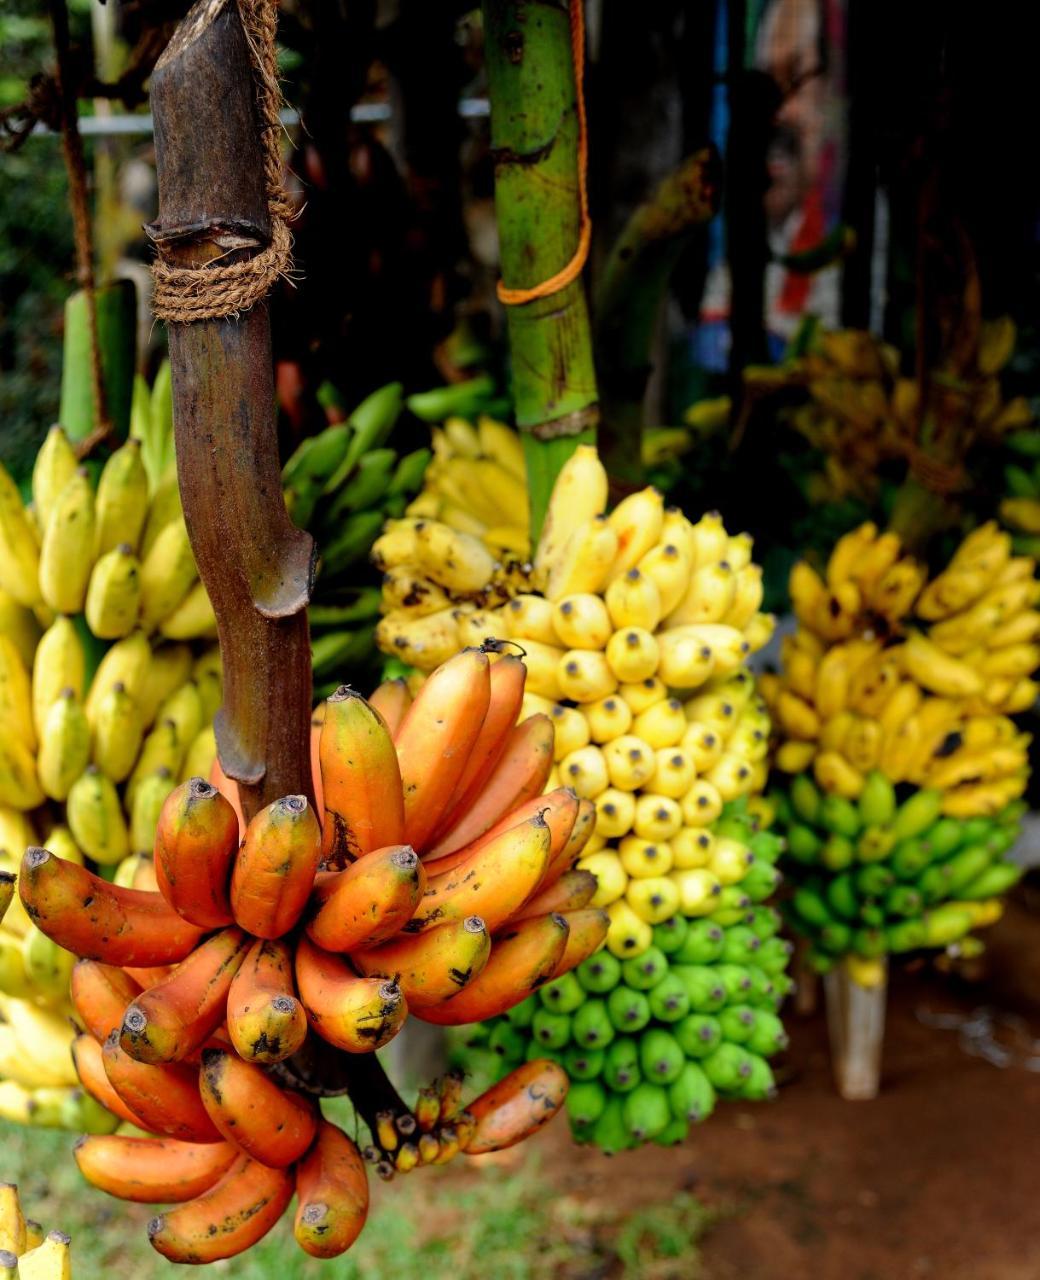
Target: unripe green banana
x=149 y=798
x=64 y=746
x=117 y=733
x=114 y=593
x=122 y=500
x=161 y=749
x=96 y=819
x=167 y=573
x=201 y=754
x=184 y=708
x=47 y=965
x=67 y=553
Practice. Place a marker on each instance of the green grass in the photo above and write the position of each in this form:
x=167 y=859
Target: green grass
x=463 y=1223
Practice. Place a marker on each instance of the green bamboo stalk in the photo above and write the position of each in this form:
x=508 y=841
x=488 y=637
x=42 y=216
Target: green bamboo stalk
x=534 y=138
x=628 y=301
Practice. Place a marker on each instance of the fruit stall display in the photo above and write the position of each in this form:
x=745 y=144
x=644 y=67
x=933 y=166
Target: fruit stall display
x=190 y=993
x=109 y=682
x=26 y=1253
x=635 y=628
x=894 y=715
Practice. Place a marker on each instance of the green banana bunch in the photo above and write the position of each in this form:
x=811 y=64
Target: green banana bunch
x=341 y=485
x=874 y=876
x=650 y=1041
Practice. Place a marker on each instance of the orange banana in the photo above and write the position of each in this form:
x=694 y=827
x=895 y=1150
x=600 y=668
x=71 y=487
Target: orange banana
x=166 y=1098
x=559 y=808
x=577 y=839
x=228 y=788
x=101 y=921
x=364 y=803
x=100 y=994
x=90 y=1067
x=569 y=893
x=392 y=701
x=152 y=1170
x=235 y=1213
x=434 y=966
x=519 y=776
x=356 y=1014
x=369 y=902
x=436 y=738
x=146 y=978
x=331 y=1194
x=493 y=883
x=265 y=1020
x=275 y=867
x=171 y=1020
x=195 y=846
x=506 y=689
x=519 y=1105
x=522 y=958
x=588 y=929
x=263 y=1120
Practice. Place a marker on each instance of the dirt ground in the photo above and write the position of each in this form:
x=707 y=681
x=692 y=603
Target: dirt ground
x=935 y=1178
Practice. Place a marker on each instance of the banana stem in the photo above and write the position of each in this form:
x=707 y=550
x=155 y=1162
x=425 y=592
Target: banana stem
x=257 y=566
x=628 y=301
x=535 y=145
x=320 y=1069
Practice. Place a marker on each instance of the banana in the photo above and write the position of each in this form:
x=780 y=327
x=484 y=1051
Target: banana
x=937 y=671
x=332 y=1192
x=578 y=498
x=152 y=1170
x=424 y=642
x=19 y=553
x=169 y=666
x=265 y=1020
x=352 y=1013
x=54 y=467
x=584 y=561
x=20 y=626
x=67 y=552
x=114 y=593
x=94 y=813
x=167 y=574
x=122 y=500
x=64 y=748
x=99 y=921
x=667 y=565
x=235 y=1213
x=265 y=1121
x=192 y=619
x=19 y=783
x=637 y=521
x=456 y=561
x=16 y=711
x=709 y=597
x=848 y=551
x=275 y=867
x=128 y=662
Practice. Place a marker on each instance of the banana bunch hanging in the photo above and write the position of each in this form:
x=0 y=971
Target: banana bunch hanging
x=918 y=679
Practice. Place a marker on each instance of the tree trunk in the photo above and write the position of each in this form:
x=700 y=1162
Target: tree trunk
x=534 y=139
x=257 y=567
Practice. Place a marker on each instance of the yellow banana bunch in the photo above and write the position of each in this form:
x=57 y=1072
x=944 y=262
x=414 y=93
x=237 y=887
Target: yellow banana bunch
x=922 y=692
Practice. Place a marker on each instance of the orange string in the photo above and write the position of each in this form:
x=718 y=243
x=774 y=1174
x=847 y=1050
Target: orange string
x=573 y=269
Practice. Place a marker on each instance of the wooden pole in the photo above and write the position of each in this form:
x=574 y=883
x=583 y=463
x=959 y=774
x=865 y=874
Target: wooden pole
x=257 y=566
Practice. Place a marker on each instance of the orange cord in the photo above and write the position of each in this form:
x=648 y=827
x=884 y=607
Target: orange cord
x=573 y=269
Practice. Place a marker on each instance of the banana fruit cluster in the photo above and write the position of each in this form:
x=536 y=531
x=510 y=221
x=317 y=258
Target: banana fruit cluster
x=1020 y=510
x=25 y=1252
x=430 y=884
x=650 y=1034
x=918 y=679
x=342 y=485
x=876 y=876
x=862 y=412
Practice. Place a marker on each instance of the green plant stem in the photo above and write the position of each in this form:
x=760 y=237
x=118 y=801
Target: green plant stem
x=534 y=138
x=628 y=302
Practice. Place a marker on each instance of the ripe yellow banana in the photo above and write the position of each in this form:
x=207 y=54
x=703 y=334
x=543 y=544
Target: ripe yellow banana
x=127 y=662
x=122 y=500
x=421 y=642
x=67 y=553
x=937 y=671
x=64 y=746
x=118 y=731
x=192 y=619
x=114 y=593
x=585 y=560
x=502 y=445
x=19 y=552
x=167 y=573
x=19 y=784
x=20 y=626
x=54 y=467
x=168 y=668
x=637 y=521
x=60 y=663
x=96 y=819
x=16 y=717
x=578 y=497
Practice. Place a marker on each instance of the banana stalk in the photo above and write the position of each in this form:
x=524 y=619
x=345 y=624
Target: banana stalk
x=535 y=141
x=628 y=301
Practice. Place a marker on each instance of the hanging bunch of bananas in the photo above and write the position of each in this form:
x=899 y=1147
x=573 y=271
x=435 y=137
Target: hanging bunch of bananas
x=109 y=682
x=917 y=679
x=1020 y=510
x=879 y=876
x=25 y=1252
x=342 y=485
x=650 y=1034
x=862 y=413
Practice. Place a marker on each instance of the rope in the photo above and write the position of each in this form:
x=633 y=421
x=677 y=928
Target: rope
x=187 y=294
x=574 y=268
